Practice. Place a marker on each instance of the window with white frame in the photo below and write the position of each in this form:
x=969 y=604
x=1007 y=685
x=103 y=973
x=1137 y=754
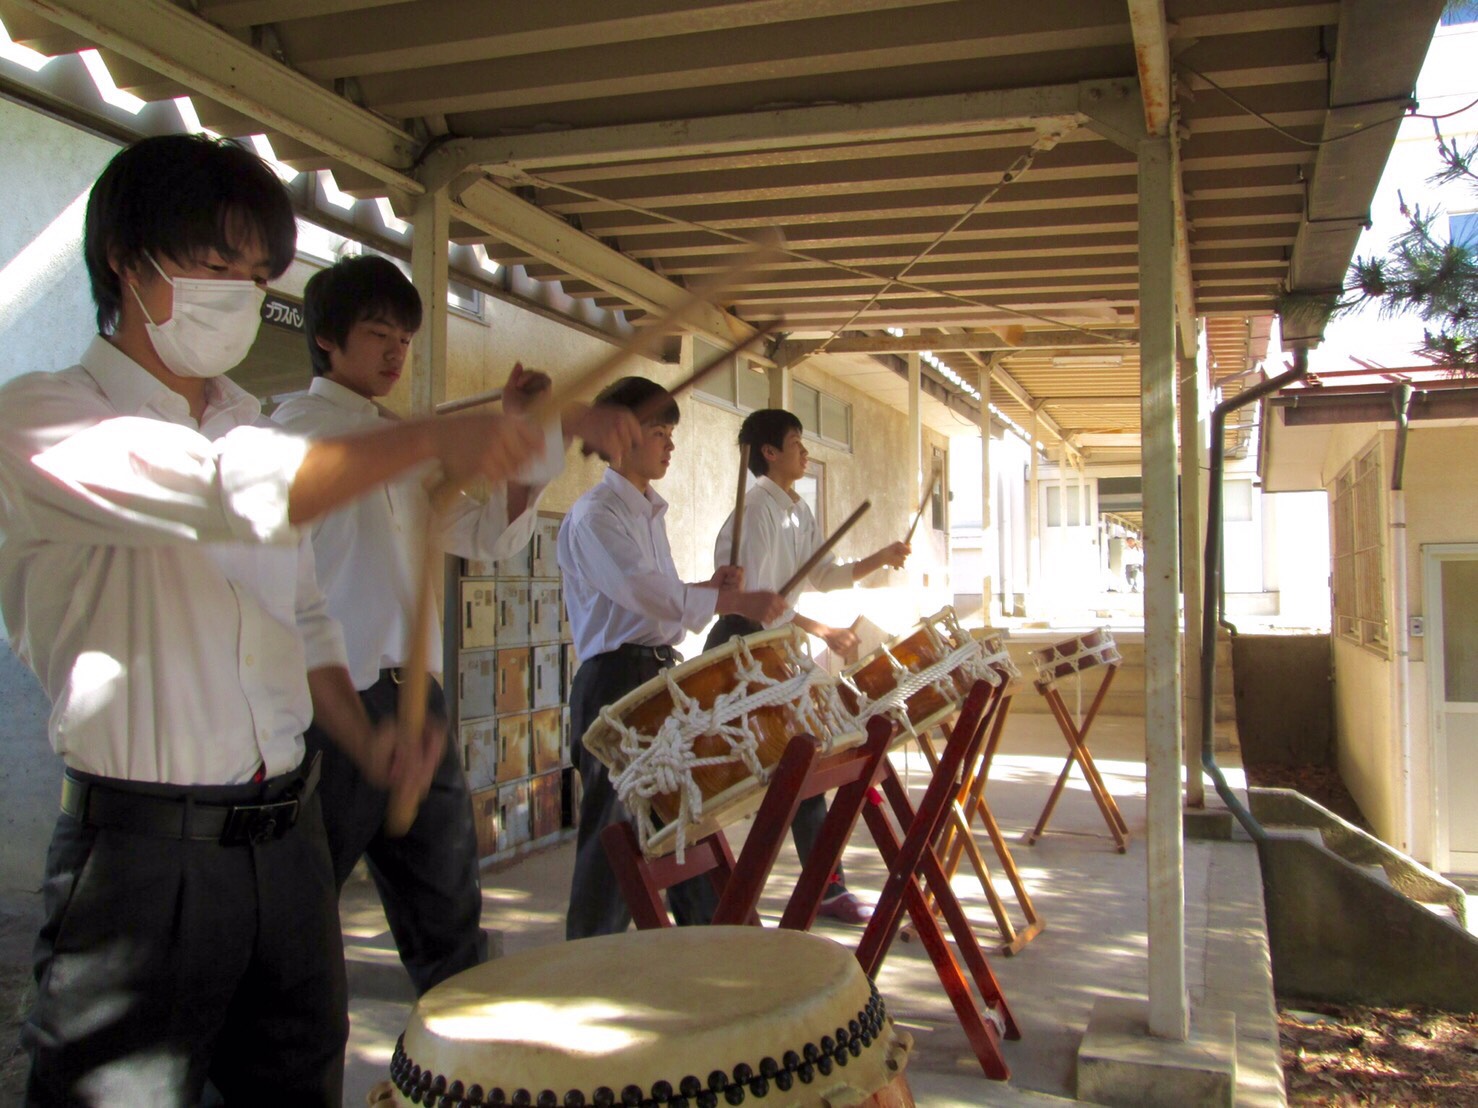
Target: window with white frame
x=824 y=418
x=1359 y=553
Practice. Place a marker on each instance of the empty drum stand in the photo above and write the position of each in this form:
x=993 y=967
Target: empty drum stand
x=1090 y=651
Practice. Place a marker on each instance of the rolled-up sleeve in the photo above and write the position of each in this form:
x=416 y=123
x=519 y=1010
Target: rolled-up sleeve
x=73 y=476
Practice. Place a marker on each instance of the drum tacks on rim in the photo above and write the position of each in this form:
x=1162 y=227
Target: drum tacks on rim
x=695 y=745
x=693 y=1016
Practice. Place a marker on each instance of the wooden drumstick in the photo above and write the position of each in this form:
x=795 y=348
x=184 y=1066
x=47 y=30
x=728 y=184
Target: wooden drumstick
x=924 y=503
x=402 y=806
x=739 y=504
x=824 y=549
x=447 y=407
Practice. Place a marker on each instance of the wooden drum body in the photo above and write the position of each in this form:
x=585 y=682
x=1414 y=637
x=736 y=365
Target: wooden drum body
x=694 y=746
x=1063 y=659
x=689 y=1016
x=923 y=676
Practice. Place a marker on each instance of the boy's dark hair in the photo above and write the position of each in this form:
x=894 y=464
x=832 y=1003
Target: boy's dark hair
x=363 y=287
x=179 y=196
x=647 y=400
x=766 y=427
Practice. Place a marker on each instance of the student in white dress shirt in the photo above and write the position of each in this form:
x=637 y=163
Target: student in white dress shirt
x=779 y=534
x=360 y=316
x=153 y=575
x=627 y=609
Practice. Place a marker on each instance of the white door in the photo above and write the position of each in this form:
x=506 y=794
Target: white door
x=1452 y=672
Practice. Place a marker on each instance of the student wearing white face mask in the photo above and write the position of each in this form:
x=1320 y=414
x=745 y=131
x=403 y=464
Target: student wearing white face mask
x=153 y=574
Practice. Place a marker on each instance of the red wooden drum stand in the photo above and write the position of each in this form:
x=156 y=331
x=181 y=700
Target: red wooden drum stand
x=1070 y=656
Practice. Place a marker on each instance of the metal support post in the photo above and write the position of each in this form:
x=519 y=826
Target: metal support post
x=430 y=222
x=1169 y=1015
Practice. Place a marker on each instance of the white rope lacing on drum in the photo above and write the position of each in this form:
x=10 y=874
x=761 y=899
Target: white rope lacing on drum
x=969 y=656
x=1103 y=653
x=662 y=764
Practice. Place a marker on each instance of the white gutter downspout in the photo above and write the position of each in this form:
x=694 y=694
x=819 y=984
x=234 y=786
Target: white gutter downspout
x=1400 y=606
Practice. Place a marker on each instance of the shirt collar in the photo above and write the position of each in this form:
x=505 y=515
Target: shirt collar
x=781 y=497
x=132 y=389
x=647 y=504
x=341 y=397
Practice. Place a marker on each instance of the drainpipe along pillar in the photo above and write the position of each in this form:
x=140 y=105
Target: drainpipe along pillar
x=430 y=224
x=1193 y=477
x=1169 y=1015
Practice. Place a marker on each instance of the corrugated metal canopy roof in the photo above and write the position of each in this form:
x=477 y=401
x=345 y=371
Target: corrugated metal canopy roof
x=942 y=166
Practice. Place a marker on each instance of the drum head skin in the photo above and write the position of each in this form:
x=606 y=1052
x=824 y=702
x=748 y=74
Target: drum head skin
x=743 y=1013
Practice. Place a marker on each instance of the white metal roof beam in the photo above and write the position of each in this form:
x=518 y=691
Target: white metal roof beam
x=528 y=227
x=946 y=343
x=1044 y=107
x=185 y=48
x=1014 y=389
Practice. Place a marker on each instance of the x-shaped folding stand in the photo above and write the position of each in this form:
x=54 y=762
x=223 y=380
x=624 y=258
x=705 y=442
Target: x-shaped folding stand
x=1077 y=741
x=911 y=861
x=957 y=842
x=914 y=866
x=803 y=771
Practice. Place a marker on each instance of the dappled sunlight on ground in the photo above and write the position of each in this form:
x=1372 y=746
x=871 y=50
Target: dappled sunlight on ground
x=1092 y=900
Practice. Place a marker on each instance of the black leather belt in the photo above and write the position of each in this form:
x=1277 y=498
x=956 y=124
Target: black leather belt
x=184 y=817
x=664 y=654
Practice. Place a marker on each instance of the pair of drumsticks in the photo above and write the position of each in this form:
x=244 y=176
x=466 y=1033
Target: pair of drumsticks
x=645 y=342
x=836 y=536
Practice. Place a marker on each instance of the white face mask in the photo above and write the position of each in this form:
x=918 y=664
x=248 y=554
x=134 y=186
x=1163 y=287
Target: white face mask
x=211 y=328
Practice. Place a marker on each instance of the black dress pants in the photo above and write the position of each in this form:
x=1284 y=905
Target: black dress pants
x=805 y=829
x=596 y=904
x=428 y=879
x=163 y=962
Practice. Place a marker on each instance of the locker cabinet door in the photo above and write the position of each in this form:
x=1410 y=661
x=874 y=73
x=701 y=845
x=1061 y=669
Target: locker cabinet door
x=480 y=753
x=515 y=748
x=479 y=615
x=476 y=679
x=513 y=682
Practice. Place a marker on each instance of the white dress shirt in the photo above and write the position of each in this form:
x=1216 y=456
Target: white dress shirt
x=150 y=577
x=620 y=583
x=779 y=534
x=368 y=552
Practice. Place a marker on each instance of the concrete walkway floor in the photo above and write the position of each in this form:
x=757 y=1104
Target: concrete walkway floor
x=1092 y=900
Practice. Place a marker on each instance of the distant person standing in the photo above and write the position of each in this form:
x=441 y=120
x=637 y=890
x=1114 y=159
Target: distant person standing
x=1133 y=562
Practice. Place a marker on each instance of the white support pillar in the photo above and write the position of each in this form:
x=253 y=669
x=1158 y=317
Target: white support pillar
x=987 y=528
x=1063 y=547
x=1169 y=1016
x=1085 y=519
x=1033 y=521
x=1193 y=478
x=430 y=222
x=779 y=377
x=915 y=425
